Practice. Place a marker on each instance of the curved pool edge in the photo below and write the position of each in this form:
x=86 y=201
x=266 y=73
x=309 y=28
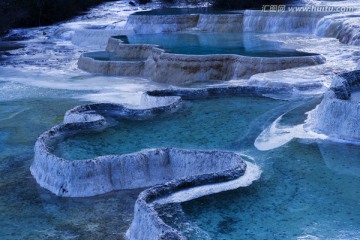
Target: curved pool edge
x=62 y=176
x=173 y=175
x=180 y=69
x=147 y=224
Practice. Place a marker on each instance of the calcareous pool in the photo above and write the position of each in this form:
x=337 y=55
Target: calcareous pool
x=309 y=189
x=246 y=44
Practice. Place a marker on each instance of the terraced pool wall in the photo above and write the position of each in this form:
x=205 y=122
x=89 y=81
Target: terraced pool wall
x=175 y=169
x=103 y=174
x=155 y=64
x=180 y=69
x=343 y=26
x=80 y=178
x=145 y=24
x=148 y=225
x=338 y=113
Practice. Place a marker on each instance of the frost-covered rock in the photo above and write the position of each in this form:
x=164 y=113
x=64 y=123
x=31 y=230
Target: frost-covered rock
x=282 y=22
x=343 y=26
x=145 y=24
x=338 y=115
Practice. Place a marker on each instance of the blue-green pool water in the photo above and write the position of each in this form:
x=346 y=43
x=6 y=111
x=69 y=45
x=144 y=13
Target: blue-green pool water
x=297 y=197
x=308 y=189
x=28 y=211
x=246 y=44
x=202 y=124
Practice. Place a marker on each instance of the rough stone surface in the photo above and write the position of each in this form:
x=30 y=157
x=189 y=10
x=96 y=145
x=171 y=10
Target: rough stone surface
x=219 y=23
x=209 y=92
x=338 y=114
x=183 y=69
x=343 y=26
x=282 y=22
x=146 y=217
x=145 y=24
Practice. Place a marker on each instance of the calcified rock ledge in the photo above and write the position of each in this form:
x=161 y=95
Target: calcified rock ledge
x=145 y=24
x=209 y=92
x=338 y=114
x=146 y=222
x=343 y=26
x=102 y=174
x=182 y=174
x=62 y=176
x=282 y=22
x=180 y=69
x=148 y=225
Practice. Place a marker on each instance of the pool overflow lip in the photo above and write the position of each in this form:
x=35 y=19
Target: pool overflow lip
x=93 y=117
x=103 y=174
x=157 y=64
x=180 y=69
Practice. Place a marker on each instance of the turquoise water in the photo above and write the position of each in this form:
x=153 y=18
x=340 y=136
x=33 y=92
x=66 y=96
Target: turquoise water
x=308 y=190
x=299 y=196
x=202 y=124
x=246 y=44
x=30 y=212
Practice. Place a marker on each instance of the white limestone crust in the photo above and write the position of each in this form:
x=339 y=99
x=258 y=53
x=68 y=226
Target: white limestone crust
x=182 y=69
x=173 y=174
x=338 y=114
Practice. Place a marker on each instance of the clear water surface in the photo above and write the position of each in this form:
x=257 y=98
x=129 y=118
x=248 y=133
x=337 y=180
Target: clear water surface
x=308 y=189
x=202 y=124
x=246 y=44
